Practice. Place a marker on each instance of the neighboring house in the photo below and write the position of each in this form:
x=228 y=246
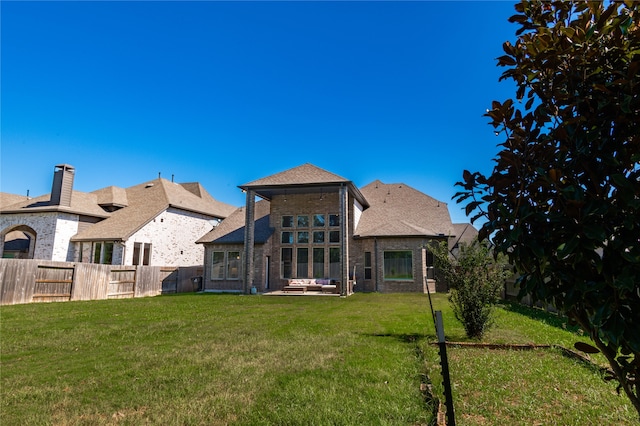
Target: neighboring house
x=154 y=223
x=16 y=243
x=311 y=223
x=465 y=234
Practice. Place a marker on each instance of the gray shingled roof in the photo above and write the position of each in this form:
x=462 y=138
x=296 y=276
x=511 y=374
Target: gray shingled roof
x=304 y=178
x=232 y=229
x=399 y=210
x=145 y=202
x=7 y=199
x=464 y=233
x=82 y=203
x=301 y=175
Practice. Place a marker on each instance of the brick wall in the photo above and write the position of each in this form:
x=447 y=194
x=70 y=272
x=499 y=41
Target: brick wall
x=377 y=247
x=326 y=203
x=302 y=204
x=260 y=253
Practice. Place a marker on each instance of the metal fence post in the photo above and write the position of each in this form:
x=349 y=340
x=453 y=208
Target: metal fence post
x=444 y=362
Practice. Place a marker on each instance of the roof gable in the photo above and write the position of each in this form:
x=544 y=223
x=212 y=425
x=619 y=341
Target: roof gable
x=301 y=175
x=465 y=233
x=306 y=178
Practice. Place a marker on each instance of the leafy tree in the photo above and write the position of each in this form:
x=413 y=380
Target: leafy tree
x=563 y=199
x=475 y=281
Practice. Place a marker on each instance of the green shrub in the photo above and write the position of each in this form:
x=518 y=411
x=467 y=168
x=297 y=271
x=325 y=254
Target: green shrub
x=475 y=281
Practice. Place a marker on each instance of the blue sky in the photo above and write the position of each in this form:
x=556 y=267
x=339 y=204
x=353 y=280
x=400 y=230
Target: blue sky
x=225 y=93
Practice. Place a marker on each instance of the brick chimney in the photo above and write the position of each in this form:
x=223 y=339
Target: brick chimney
x=62 y=185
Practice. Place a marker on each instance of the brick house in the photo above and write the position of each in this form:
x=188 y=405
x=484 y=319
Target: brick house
x=312 y=224
x=153 y=223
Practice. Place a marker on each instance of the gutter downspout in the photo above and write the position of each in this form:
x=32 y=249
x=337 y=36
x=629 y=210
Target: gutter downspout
x=375 y=257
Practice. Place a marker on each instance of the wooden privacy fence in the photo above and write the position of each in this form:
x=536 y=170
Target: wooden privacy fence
x=510 y=292
x=28 y=281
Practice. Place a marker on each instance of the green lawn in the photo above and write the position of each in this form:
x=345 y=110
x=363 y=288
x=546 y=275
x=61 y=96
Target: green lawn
x=252 y=360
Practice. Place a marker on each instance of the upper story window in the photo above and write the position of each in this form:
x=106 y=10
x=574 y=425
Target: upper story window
x=334 y=220
x=318 y=220
x=303 y=221
x=287 y=221
x=303 y=237
x=287 y=237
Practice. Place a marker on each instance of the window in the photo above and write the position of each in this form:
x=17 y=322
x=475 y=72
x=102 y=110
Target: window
x=334 y=263
x=103 y=253
x=136 y=253
x=302 y=260
x=430 y=269
x=310 y=252
x=287 y=221
x=367 y=265
x=318 y=262
x=79 y=253
x=146 y=257
x=233 y=265
x=303 y=221
x=398 y=265
x=141 y=253
x=107 y=253
x=225 y=265
x=286 y=262
x=97 y=250
x=217 y=265
x=287 y=237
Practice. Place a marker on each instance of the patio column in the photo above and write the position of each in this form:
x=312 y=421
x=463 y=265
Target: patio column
x=249 y=237
x=344 y=241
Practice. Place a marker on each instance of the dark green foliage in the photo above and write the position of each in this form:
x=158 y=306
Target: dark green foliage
x=475 y=281
x=563 y=200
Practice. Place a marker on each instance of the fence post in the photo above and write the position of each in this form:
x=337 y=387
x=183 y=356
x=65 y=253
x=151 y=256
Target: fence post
x=444 y=362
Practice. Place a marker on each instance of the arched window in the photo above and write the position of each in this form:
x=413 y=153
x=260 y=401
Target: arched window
x=18 y=242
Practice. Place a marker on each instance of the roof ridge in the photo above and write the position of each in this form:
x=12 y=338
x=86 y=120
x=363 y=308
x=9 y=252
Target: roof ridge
x=305 y=174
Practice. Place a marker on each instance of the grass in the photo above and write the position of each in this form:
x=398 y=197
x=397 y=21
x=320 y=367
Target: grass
x=255 y=360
